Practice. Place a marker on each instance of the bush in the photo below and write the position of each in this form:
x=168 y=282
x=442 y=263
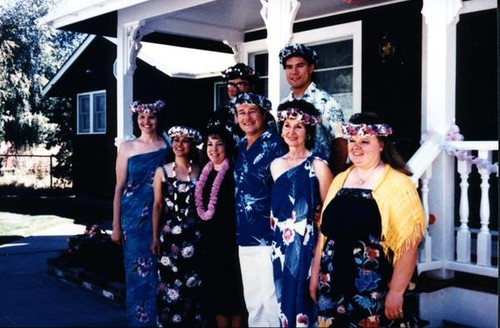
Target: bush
x=95 y=252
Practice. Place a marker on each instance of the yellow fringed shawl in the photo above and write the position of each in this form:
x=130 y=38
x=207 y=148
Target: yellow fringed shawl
x=403 y=221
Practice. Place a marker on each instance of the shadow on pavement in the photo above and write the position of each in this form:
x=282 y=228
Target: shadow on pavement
x=31 y=297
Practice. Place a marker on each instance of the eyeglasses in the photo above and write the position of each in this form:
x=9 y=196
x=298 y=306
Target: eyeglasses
x=236 y=85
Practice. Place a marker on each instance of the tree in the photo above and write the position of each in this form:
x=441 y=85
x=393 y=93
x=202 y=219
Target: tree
x=30 y=54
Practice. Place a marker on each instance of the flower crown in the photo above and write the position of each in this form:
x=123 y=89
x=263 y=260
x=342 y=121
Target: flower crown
x=298 y=49
x=185 y=131
x=251 y=98
x=239 y=70
x=361 y=130
x=152 y=108
x=297 y=114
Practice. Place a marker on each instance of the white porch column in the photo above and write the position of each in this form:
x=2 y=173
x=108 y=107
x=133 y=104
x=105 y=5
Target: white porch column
x=128 y=46
x=278 y=16
x=438 y=114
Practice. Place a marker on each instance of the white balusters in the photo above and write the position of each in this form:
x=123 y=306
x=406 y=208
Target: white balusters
x=470 y=243
x=484 y=236
x=464 y=234
x=426 y=250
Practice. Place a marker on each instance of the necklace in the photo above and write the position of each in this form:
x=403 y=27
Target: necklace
x=189 y=170
x=183 y=212
x=362 y=180
x=208 y=213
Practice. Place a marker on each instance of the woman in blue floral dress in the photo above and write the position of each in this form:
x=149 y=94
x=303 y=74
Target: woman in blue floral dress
x=174 y=213
x=136 y=163
x=300 y=183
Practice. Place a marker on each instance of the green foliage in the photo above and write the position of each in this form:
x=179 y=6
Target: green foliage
x=59 y=112
x=30 y=55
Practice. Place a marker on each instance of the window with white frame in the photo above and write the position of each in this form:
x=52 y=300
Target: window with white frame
x=339 y=66
x=91 y=112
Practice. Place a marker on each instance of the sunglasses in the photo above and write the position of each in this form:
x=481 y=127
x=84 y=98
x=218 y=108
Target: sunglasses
x=236 y=85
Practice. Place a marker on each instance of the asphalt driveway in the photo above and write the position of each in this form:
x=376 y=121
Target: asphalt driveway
x=30 y=297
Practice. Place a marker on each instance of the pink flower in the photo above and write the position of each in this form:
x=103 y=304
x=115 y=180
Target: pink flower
x=302 y=320
x=288 y=235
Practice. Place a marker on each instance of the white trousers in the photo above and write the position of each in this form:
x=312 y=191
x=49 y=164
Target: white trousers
x=258 y=286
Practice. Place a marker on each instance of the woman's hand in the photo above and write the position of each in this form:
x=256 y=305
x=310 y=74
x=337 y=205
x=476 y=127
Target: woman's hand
x=313 y=288
x=117 y=235
x=401 y=276
x=394 y=305
x=155 y=247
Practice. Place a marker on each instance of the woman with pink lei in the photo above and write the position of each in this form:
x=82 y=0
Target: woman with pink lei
x=223 y=289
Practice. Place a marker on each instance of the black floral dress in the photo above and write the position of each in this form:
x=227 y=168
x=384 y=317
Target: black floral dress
x=179 y=301
x=354 y=271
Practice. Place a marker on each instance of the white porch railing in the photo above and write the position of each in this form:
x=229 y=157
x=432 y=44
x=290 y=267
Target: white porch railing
x=475 y=242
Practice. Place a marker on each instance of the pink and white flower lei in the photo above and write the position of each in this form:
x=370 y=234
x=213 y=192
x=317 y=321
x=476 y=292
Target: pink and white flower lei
x=207 y=214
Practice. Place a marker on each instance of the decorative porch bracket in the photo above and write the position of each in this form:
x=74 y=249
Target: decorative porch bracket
x=134 y=36
x=235 y=47
x=129 y=37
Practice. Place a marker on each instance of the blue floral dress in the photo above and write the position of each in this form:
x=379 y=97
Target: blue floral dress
x=354 y=270
x=136 y=220
x=179 y=293
x=295 y=198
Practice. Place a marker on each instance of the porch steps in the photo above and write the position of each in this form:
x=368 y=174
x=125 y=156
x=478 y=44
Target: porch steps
x=90 y=281
x=467 y=300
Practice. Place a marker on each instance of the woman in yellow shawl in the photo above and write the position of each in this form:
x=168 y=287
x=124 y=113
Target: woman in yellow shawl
x=371 y=226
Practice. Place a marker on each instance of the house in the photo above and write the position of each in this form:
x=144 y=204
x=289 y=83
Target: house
x=428 y=66
x=88 y=78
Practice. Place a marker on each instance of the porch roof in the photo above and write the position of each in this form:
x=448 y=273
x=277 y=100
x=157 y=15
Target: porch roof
x=181 y=63
x=206 y=19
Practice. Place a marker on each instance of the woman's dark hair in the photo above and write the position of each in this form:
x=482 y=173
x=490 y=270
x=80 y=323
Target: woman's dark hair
x=221 y=133
x=306 y=108
x=389 y=153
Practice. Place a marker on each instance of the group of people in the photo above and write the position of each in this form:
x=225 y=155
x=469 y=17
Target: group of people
x=296 y=220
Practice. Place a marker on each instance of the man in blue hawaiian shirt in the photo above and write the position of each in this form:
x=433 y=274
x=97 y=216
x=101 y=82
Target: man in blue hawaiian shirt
x=299 y=62
x=255 y=152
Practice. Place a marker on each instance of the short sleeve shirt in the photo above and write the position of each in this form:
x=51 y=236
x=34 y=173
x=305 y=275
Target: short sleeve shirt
x=253 y=182
x=332 y=118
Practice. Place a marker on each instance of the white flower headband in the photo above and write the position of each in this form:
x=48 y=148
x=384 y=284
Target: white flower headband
x=185 y=131
x=152 y=108
x=297 y=114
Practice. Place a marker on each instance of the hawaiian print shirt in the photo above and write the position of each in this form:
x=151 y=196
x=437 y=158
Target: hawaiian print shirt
x=332 y=118
x=253 y=184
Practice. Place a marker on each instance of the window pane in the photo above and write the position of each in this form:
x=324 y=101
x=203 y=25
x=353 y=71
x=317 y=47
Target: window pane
x=335 y=81
x=222 y=98
x=334 y=54
x=100 y=112
x=261 y=66
x=339 y=83
x=83 y=114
